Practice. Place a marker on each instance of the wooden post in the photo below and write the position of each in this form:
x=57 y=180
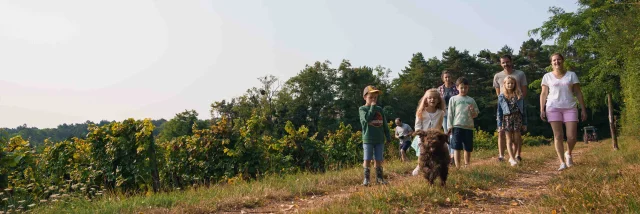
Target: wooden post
x=612 y=123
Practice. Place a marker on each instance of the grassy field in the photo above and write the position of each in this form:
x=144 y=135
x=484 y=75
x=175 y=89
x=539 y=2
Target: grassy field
x=603 y=180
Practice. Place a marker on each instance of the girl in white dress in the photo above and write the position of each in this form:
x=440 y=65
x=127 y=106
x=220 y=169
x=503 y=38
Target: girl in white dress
x=429 y=115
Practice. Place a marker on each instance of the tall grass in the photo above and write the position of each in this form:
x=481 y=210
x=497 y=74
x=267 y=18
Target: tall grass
x=604 y=181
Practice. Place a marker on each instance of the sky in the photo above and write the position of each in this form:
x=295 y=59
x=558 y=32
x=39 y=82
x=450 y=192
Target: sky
x=69 y=61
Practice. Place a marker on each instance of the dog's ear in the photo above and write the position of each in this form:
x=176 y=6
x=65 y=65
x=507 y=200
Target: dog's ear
x=443 y=138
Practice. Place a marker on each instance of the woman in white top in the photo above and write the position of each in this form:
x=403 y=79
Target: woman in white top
x=428 y=116
x=558 y=90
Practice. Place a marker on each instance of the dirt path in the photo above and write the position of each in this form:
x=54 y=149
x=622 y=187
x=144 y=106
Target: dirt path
x=512 y=198
x=515 y=196
x=302 y=205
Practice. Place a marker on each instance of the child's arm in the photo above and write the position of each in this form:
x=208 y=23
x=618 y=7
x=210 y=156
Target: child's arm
x=366 y=113
x=386 y=127
x=451 y=113
x=475 y=112
x=500 y=112
x=440 y=122
x=524 y=116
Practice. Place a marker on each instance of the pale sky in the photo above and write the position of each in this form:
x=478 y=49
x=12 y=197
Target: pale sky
x=68 y=61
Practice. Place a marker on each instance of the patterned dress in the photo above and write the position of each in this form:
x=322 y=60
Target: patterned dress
x=513 y=121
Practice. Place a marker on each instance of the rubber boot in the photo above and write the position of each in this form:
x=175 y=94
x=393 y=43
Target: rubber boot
x=379 y=177
x=367 y=174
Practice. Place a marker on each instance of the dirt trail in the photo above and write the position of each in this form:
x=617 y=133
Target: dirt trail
x=515 y=196
x=511 y=198
x=302 y=205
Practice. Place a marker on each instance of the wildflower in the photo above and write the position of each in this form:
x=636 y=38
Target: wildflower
x=65 y=195
x=83 y=189
x=31 y=205
x=43 y=201
x=20 y=202
x=5 y=199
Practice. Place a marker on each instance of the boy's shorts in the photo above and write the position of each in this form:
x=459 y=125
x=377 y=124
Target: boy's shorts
x=462 y=139
x=371 y=149
x=405 y=145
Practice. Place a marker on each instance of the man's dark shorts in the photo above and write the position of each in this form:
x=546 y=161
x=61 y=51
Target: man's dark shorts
x=405 y=145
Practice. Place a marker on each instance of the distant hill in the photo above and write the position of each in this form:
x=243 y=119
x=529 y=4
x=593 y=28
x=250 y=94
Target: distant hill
x=64 y=131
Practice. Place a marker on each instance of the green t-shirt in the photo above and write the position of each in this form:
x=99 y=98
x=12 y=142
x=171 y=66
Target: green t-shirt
x=374 y=127
x=460 y=110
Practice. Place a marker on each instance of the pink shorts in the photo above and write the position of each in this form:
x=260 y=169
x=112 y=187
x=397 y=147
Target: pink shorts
x=562 y=115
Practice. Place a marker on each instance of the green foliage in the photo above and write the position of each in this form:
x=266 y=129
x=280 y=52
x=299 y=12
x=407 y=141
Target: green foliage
x=125 y=154
x=180 y=125
x=483 y=140
x=344 y=147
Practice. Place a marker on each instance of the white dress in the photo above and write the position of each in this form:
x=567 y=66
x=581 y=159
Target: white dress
x=429 y=120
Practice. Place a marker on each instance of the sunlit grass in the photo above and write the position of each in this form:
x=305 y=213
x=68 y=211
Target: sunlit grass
x=605 y=181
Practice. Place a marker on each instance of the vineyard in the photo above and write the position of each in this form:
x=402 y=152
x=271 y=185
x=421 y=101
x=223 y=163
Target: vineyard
x=123 y=157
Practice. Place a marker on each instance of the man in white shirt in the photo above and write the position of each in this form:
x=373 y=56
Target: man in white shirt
x=403 y=133
x=498 y=80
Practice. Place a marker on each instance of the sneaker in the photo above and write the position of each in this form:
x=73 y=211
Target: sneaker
x=518 y=158
x=500 y=159
x=415 y=171
x=562 y=167
x=513 y=162
x=568 y=159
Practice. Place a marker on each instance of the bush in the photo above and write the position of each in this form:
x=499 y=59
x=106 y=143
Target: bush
x=484 y=140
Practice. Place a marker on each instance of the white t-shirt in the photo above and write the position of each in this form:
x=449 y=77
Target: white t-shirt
x=560 y=90
x=429 y=120
x=403 y=131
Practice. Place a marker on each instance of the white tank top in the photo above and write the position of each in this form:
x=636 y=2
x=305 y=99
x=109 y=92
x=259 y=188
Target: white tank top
x=429 y=120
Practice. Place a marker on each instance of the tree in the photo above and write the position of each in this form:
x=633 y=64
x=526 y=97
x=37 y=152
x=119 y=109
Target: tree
x=182 y=124
x=598 y=39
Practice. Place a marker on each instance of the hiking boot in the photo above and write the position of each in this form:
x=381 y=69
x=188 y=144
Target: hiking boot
x=367 y=174
x=568 y=159
x=379 y=177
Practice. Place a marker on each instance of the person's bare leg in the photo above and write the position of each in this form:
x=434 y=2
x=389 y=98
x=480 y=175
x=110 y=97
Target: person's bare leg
x=558 y=138
x=572 y=133
x=467 y=158
x=517 y=141
x=510 y=147
x=456 y=157
x=403 y=155
x=502 y=144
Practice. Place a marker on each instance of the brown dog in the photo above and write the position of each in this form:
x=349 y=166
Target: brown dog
x=434 y=156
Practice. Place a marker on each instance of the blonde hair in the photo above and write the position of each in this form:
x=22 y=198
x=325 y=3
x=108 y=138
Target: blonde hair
x=421 y=105
x=516 y=88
